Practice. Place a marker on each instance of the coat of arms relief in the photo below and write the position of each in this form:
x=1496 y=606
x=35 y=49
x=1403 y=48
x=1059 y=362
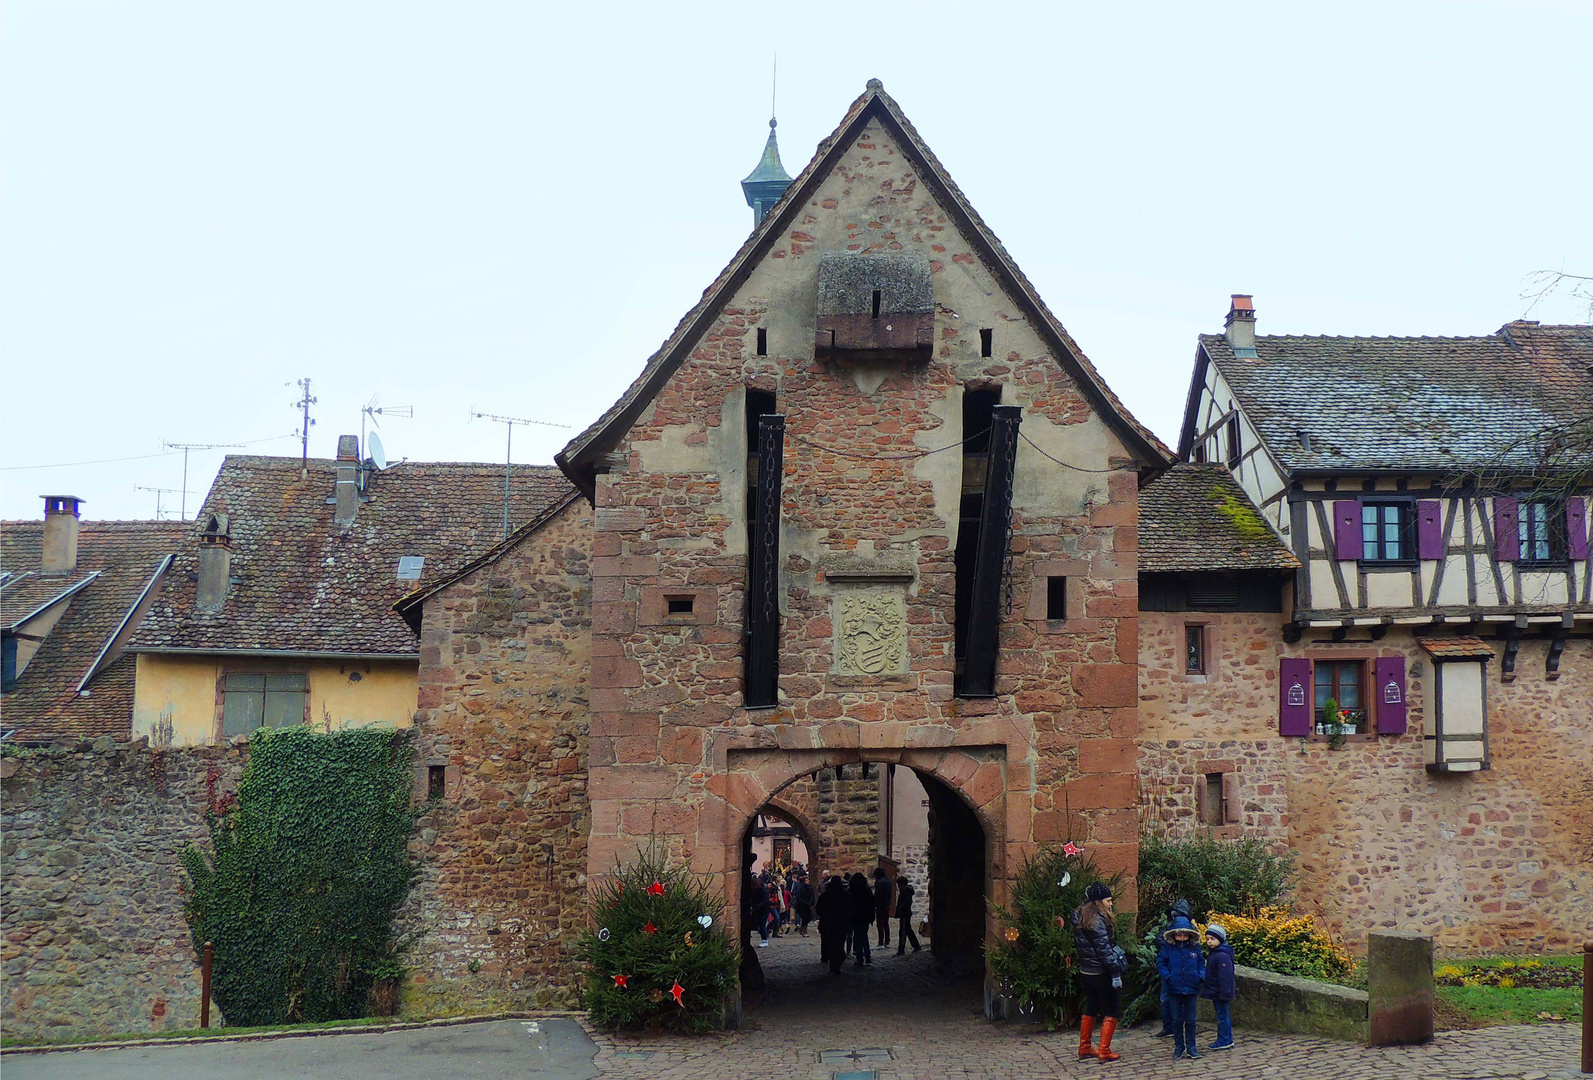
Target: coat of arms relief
x=871 y=632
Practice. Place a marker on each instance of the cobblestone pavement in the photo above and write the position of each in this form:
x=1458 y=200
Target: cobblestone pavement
x=899 y=1020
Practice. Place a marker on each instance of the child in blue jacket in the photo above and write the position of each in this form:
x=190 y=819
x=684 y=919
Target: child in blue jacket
x=1183 y=970
x=1180 y=907
x=1219 y=983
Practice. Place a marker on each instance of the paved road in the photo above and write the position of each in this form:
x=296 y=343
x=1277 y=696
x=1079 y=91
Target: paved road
x=501 y=1050
x=895 y=1018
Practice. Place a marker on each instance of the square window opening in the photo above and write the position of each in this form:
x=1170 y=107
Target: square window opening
x=1542 y=532
x=1339 y=708
x=679 y=605
x=1195 y=649
x=251 y=701
x=1386 y=532
x=1056 y=598
x=436 y=781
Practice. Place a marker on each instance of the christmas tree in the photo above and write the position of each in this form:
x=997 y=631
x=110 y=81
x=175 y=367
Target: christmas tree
x=656 y=952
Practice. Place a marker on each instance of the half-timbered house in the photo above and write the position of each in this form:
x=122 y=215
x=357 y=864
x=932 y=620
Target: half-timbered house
x=1415 y=710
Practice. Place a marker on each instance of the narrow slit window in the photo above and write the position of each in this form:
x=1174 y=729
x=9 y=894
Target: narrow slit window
x=1211 y=806
x=986 y=341
x=1235 y=450
x=1056 y=598
x=876 y=303
x=679 y=605
x=763 y=341
x=1195 y=649
x=436 y=781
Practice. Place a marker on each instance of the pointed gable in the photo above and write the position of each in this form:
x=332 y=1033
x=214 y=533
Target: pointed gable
x=581 y=459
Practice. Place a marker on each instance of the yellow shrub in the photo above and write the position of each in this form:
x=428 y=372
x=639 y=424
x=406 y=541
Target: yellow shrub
x=1276 y=940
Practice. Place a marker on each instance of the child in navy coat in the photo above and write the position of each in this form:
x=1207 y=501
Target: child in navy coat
x=1219 y=983
x=1183 y=970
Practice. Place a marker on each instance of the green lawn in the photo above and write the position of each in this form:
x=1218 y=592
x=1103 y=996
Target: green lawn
x=1481 y=1005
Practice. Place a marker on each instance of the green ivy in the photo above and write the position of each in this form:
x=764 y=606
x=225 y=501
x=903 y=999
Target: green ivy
x=647 y=937
x=307 y=867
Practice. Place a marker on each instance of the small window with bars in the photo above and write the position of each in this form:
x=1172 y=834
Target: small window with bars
x=253 y=701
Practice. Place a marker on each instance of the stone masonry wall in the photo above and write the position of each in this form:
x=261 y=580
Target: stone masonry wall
x=1499 y=860
x=503 y=711
x=95 y=942
x=847 y=816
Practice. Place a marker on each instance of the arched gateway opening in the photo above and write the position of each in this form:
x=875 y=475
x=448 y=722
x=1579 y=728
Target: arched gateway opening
x=888 y=822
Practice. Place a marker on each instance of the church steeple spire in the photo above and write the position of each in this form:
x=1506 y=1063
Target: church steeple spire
x=766 y=183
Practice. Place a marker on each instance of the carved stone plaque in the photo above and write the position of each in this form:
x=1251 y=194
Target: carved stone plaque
x=870 y=633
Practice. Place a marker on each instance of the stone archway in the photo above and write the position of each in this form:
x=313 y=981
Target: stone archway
x=975 y=766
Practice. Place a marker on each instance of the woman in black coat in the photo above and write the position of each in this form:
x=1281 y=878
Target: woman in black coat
x=862 y=918
x=834 y=908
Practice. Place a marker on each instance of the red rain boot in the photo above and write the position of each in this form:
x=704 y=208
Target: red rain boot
x=1086 y=1035
x=1108 y=1026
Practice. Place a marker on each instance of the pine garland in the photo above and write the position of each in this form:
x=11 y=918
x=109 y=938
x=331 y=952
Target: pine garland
x=656 y=952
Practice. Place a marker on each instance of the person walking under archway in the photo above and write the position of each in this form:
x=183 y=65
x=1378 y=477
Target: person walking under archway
x=882 y=906
x=1102 y=963
x=904 y=916
x=862 y=918
x=835 y=923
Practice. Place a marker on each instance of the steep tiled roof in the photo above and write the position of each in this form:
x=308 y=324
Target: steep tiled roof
x=1409 y=403
x=1197 y=517
x=577 y=457
x=121 y=558
x=305 y=584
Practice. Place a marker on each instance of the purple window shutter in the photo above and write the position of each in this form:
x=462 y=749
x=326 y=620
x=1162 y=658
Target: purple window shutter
x=1347 y=529
x=1389 y=695
x=1294 y=696
x=1506 y=529
x=1576 y=528
x=1429 y=530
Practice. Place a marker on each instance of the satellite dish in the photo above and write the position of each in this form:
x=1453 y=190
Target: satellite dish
x=373 y=450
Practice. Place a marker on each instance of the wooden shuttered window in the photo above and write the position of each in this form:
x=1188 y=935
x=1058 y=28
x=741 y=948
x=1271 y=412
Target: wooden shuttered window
x=761 y=681
x=1506 y=529
x=1429 y=529
x=1576 y=539
x=990 y=559
x=1388 y=694
x=1294 y=697
x=1347 y=529
x=1217 y=799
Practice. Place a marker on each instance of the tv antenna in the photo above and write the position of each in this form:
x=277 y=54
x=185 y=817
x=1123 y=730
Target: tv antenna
x=370 y=412
x=159 y=491
x=185 y=448
x=509 y=422
x=303 y=405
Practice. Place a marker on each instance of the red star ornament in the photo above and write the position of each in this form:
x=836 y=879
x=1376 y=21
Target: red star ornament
x=649 y=929
x=679 y=992
x=655 y=889
x=620 y=981
x=1070 y=848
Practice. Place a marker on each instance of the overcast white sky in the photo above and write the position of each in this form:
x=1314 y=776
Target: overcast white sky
x=509 y=205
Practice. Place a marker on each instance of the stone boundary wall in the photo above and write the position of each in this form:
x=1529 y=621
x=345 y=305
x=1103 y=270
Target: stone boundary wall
x=90 y=889
x=1267 y=1001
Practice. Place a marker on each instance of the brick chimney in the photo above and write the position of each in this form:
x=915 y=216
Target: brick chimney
x=60 y=534
x=1240 y=329
x=348 y=479
x=215 y=565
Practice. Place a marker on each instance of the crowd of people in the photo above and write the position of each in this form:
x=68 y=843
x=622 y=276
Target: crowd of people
x=849 y=912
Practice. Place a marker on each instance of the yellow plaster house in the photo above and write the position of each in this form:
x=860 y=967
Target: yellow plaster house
x=278 y=609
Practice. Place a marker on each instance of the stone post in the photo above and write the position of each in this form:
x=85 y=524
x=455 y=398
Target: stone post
x=1399 y=984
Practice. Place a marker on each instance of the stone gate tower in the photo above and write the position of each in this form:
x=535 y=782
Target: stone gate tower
x=869 y=503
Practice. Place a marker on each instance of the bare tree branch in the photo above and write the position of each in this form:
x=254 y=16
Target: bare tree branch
x=1541 y=284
